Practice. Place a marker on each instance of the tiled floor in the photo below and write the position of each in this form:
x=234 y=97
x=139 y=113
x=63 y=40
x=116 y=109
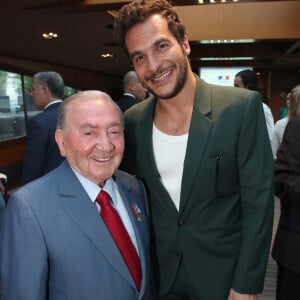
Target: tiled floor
x=270 y=281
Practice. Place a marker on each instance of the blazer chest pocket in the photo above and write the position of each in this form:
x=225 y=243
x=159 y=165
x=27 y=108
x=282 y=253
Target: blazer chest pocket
x=226 y=181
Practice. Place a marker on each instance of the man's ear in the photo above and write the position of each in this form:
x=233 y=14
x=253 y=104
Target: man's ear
x=186 y=46
x=60 y=141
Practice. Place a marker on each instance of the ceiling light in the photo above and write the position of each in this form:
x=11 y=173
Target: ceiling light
x=227 y=41
x=107 y=55
x=225 y=58
x=216 y=1
x=50 y=35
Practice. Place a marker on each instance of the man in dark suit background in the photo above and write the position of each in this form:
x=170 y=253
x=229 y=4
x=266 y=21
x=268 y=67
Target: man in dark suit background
x=42 y=154
x=133 y=90
x=286 y=246
x=54 y=243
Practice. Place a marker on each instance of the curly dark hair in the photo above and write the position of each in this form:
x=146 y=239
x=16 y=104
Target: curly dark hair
x=139 y=11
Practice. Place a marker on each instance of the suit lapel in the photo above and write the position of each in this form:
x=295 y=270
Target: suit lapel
x=199 y=133
x=76 y=203
x=145 y=155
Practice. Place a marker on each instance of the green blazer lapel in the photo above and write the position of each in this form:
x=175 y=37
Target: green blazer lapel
x=145 y=155
x=199 y=133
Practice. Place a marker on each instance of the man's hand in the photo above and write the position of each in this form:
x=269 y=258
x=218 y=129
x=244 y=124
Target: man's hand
x=234 y=295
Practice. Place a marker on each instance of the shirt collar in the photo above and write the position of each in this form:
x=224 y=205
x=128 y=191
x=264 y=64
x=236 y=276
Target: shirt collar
x=53 y=102
x=128 y=94
x=93 y=189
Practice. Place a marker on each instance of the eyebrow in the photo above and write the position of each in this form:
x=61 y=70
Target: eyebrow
x=154 y=45
x=90 y=125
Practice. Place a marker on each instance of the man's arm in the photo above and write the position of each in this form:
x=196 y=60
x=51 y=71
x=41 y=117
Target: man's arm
x=287 y=164
x=23 y=261
x=35 y=153
x=255 y=161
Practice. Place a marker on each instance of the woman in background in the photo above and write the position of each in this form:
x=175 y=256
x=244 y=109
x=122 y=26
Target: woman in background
x=280 y=127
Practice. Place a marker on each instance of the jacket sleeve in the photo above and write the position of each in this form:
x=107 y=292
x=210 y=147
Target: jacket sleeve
x=23 y=260
x=35 y=152
x=287 y=164
x=255 y=163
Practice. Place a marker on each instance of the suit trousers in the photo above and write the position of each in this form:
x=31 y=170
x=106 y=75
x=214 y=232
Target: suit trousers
x=182 y=288
x=288 y=284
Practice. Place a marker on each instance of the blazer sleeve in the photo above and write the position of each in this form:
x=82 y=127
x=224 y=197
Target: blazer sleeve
x=287 y=164
x=24 y=267
x=287 y=176
x=256 y=173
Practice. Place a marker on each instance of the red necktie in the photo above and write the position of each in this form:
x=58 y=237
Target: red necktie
x=120 y=236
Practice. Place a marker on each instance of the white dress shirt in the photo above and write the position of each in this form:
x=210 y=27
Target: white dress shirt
x=111 y=188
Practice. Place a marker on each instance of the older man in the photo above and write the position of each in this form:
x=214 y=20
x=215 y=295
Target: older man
x=55 y=242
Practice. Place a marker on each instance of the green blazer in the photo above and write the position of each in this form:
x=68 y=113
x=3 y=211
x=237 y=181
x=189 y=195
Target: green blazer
x=223 y=228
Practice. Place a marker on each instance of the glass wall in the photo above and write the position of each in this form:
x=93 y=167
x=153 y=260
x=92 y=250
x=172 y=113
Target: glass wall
x=16 y=104
x=12 y=120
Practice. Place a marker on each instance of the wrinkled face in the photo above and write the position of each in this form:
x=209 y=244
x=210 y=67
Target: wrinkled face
x=93 y=138
x=38 y=93
x=160 y=61
x=238 y=82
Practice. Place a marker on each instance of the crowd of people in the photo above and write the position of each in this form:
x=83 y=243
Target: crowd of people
x=168 y=198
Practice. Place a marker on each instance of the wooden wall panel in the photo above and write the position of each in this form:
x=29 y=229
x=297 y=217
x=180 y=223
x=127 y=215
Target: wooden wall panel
x=12 y=151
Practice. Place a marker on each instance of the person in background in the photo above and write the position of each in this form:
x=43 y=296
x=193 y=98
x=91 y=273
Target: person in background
x=134 y=92
x=286 y=246
x=247 y=79
x=3 y=194
x=279 y=128
x=42 y=154
x=208 y=170
x=54 y=242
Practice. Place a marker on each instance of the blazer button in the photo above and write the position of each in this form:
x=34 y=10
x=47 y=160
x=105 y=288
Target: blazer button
x=180 y=223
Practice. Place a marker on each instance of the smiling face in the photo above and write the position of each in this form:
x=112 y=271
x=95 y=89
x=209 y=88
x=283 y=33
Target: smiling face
x=92 y=138
x=160 y=61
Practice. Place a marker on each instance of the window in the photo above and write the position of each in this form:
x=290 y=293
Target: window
x=16 y=104
x=12 y=121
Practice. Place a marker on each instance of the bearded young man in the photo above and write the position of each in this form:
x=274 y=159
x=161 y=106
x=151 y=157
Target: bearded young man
x=204 y=155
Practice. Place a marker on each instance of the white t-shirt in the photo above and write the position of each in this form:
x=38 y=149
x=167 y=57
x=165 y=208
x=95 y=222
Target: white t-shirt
x=169 y=153
x=278 y=135
x=269 y=120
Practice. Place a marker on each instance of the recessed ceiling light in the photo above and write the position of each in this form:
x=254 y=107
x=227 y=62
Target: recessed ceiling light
x=225 y=58
x=227 y=41
x=216 y=1
x=107 y=55
x=50 y=35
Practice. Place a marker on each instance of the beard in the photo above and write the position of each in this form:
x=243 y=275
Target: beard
x=181 y=68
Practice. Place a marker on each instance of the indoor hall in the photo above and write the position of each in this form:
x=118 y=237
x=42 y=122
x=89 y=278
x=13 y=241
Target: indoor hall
x=74 y=38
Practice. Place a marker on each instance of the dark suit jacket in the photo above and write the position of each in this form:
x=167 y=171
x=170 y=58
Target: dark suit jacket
x=286 y=247
x=55 y=245
x=42 y=153
x=223 y=227
x=126 y=101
